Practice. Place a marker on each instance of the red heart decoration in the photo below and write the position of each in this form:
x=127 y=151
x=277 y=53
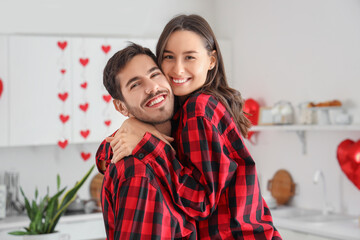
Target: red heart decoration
x=348 y=155
x=107 y=98
x=1 y=87
x=62 y=45
x=252 y=107
x=63 y=144
x=83 y=85
x=85 y=133
x=63 y=96
x=85 y=156
x=84 y=106
x=64 y=118
x=63 y=71
x=106 y=48
x=107 y=122
x=84 y=61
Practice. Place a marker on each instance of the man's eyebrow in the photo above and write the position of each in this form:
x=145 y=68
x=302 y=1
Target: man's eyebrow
x=136 y=77
x=153 y=69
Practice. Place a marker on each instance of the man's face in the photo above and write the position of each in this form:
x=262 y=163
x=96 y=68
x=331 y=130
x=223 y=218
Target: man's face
x=147 y=94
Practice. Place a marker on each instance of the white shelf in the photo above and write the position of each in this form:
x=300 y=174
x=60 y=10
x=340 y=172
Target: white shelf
x=300 y=130
x=353 y=127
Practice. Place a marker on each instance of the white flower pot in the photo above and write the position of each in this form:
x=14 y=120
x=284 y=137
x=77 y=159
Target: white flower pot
x=48 y=236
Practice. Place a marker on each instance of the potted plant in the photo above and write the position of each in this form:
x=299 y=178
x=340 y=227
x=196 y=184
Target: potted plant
x=44 y=213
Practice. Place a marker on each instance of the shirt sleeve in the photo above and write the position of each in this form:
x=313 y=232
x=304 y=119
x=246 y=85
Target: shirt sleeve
x=137 y=211
x=103 y=156
x=196 y=188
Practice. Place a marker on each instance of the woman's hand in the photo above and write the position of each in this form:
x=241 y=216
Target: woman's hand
x=129 y=135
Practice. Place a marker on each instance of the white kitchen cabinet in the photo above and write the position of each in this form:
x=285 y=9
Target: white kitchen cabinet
x=4 y=92
x=295 y=235
x=34 y=72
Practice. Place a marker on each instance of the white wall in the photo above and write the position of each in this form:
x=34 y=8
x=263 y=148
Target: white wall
x=39 y=165
x=298 y=51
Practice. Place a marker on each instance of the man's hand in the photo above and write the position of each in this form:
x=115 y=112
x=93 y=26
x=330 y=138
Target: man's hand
x=129 y=135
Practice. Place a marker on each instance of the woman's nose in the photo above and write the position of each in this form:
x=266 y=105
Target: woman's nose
x=178 y=68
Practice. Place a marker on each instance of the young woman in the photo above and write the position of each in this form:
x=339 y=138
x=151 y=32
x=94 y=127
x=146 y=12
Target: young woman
x=213 y=177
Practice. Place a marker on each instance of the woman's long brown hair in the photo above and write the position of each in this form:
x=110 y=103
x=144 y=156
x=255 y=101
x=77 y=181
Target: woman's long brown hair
x=216 y=83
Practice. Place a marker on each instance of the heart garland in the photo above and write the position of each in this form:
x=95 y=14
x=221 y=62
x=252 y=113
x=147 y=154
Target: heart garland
x=63 y=143
x=105 y=96
x=85 y=156
x=348 y=155
x=84 y=61
x=62 y=45
x=63 y=95
x=106 y=48
x=1 y=87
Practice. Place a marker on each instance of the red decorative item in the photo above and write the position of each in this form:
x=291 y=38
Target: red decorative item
x=85 y=156
x=83 y=85
x=348 y=155
x=64 y=118
x=63 y=71
x=62 y=45
x=85 y=133
x=107 y=98
x=1 y=87
x=84 y=61
x=63 y=96
x=63 y=144
x=106 y=48
x=252 y=107
x=107 y=122
x=84 y=106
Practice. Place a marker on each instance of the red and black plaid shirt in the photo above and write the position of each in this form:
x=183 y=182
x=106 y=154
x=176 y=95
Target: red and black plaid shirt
x=134 y=203
x=215 y=180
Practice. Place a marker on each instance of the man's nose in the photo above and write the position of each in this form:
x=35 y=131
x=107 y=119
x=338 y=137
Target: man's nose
x=151 y=87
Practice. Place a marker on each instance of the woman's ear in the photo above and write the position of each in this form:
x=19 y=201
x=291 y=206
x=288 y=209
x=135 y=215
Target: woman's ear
x=121 y=107
x=212 y=60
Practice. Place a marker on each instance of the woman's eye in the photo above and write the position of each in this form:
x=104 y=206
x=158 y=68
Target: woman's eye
x=189 y=57
x=168 y=57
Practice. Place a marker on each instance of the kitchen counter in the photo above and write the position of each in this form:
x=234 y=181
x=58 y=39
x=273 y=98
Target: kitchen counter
x=79 y=227
x=308 y=221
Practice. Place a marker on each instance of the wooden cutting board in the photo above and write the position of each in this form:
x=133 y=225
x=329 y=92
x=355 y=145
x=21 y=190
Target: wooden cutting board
x=282 y=187
x=95 y=187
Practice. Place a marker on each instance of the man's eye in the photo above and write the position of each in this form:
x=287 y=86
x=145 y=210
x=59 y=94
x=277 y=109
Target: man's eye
x=155 y=75
x=134 y=85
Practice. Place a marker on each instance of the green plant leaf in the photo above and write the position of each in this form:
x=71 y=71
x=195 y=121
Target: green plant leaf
x=18 y=233
x=58 y=182
x=36 y=193
x=27 y=206
x=69 y=197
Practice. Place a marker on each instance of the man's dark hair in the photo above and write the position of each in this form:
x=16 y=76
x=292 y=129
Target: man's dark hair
x=116 y=63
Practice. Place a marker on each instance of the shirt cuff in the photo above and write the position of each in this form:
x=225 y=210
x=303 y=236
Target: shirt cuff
x=149 y=144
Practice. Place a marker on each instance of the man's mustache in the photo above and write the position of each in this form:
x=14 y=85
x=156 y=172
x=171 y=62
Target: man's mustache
x=155 y=94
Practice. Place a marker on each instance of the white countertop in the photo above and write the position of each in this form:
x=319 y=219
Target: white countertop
x=79 y=227
x=348 y=229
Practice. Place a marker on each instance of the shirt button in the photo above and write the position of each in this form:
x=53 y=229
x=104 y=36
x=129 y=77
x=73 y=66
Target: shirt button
x=141 y=155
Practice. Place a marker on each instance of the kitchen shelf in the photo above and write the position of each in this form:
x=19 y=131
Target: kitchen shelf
x=300 y=130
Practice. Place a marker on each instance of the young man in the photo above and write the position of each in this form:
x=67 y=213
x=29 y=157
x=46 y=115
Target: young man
x=135 y=203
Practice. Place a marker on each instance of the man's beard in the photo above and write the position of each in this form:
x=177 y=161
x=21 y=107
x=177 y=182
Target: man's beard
x=140 y=115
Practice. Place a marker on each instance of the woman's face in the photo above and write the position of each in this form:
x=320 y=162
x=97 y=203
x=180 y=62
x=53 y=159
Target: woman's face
x=186 y=62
